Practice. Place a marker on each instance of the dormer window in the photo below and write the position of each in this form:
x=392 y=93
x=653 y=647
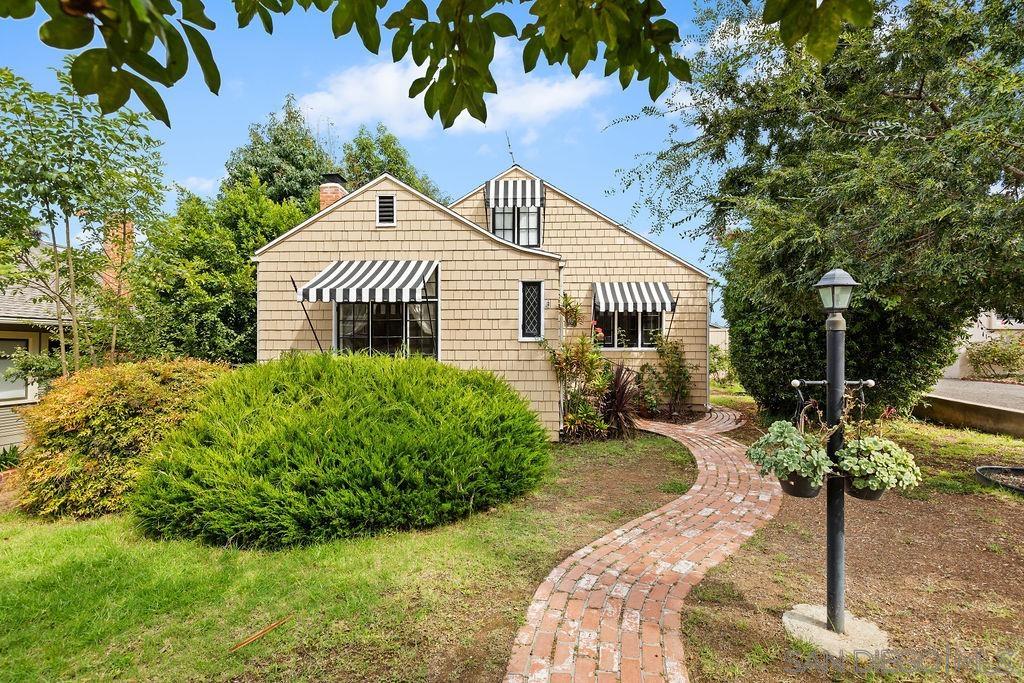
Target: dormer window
x=517 y=224
x=517 y=210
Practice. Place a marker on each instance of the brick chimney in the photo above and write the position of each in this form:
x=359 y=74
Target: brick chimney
x=118 y=246
x=331 y=189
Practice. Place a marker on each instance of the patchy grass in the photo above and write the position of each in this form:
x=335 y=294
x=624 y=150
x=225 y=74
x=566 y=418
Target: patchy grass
x=96 y=600
x=938 y=568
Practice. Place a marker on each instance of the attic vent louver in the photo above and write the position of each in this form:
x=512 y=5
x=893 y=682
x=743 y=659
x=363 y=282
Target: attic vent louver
x=386 y=209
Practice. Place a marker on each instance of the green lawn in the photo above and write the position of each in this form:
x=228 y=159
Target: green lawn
x=96 y=600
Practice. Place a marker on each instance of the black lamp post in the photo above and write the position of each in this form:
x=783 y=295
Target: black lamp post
x=835 y=288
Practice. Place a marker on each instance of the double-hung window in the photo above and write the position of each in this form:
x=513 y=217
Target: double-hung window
x=520 y=225
x=628 y=330
x=11 y=389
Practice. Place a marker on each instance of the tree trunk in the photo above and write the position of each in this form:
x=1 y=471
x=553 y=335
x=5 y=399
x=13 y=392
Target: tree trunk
x=72 y=300
x=56 y=302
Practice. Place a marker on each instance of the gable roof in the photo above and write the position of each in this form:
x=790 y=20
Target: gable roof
x=24 y=302
x=632 y=233
x=387 y=176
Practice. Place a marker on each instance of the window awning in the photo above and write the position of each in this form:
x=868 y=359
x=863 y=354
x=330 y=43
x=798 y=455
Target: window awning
x=630 y=297
x=359 y=281
x=517 y=192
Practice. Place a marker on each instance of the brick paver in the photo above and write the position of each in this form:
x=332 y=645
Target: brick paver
x=611 y=611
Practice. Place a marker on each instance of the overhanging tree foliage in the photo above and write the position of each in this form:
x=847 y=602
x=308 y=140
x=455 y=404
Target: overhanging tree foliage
x=455 y=45
x=900 y=161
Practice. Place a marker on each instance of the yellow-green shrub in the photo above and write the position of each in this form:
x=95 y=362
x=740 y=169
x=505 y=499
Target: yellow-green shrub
x=89 y=432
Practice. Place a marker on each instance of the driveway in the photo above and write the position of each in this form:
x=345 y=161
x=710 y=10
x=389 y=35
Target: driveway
x=990 y=393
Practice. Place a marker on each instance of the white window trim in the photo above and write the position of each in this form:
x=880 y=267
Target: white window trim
x=543 y=307
x=394 y=200
x=34 y=340
x=640 y=331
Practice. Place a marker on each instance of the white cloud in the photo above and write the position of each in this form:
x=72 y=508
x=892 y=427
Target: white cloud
x=379 y=92
x=200 y=185
x=530 y=136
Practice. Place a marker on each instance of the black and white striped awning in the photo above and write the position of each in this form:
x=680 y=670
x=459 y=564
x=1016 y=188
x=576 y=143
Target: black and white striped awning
x=629 y=297
x=369 y=281
x=518 y=192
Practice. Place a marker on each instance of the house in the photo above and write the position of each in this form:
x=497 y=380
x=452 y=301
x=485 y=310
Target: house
x=718 y=336
x=988 y=325
x=25 y=320
x=476 y=284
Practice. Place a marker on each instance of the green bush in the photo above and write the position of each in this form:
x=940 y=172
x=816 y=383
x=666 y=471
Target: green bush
x=315 y=446
x=88 y=434
x=997 y=357
x=771 y=345
x=671 y=377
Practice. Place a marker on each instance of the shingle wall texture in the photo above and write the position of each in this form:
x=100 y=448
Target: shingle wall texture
x=595 y=249
x=479 y=288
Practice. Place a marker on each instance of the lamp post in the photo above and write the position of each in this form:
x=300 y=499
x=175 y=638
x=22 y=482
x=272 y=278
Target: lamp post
x=835 y=289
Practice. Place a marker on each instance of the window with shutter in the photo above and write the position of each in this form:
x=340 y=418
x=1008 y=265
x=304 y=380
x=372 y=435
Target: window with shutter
x=386 y=210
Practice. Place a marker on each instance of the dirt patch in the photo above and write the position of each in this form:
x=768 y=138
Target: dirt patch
x=942 y=572
x=8 y=490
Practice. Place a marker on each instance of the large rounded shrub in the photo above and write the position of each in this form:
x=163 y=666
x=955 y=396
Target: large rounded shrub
x=90 y=431
x=315 y=446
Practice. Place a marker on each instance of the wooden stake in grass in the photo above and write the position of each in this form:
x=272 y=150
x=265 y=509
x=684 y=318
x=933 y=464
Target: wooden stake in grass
x=259 y=634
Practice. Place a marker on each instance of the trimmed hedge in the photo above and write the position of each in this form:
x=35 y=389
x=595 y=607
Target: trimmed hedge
x=90 y=431
x=315 y=446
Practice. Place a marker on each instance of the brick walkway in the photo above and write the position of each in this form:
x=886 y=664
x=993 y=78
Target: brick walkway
x=611 y=611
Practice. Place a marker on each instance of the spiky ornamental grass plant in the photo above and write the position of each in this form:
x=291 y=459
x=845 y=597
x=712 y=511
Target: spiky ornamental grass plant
x=314 y=447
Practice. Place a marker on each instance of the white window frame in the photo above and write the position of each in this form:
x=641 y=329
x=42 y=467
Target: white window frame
x=543 y=307
x=639 y=331
x=394 y=200
x=34 y=339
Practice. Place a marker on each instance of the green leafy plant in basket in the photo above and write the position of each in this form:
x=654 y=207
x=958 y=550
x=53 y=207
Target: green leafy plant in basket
x=875 y=464
x=797 y=458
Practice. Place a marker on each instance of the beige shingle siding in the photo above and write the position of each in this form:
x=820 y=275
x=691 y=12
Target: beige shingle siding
x=595 y=249
x=479 y=288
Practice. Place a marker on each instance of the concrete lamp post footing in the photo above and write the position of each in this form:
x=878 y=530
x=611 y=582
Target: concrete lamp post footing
x=862 y=640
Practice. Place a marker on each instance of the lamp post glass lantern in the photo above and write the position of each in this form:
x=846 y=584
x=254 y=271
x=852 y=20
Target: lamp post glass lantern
x=835 y=288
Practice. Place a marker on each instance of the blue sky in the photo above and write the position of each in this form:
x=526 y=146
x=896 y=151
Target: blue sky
x=558 y=125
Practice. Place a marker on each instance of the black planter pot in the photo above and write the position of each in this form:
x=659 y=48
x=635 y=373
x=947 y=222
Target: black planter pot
x=863 y=494
x=798 y=486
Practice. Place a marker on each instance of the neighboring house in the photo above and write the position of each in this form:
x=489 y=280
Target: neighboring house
x=476 y=284
x=718 y=336
x=25 y=321
x=987 y=326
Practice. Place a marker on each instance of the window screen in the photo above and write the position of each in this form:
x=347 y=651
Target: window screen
x=386 y=209
x=532 y=310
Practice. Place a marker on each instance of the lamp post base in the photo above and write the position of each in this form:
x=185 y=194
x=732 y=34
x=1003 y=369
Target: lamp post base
x=862 y=640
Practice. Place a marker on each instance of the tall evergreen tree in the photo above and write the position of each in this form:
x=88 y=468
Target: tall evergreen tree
x=900 y=160
x=283 y=154
x=370 y=154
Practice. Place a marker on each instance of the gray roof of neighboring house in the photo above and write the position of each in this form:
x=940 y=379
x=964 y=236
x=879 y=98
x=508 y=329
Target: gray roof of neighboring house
x=20 y=306
x=26 y=304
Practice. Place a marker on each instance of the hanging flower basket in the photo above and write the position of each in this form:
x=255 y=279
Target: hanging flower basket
x=874 y=465
x=798 y=459
x=799 y=486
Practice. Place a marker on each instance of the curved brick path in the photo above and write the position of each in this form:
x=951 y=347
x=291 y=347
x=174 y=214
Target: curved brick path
x=611 y=611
